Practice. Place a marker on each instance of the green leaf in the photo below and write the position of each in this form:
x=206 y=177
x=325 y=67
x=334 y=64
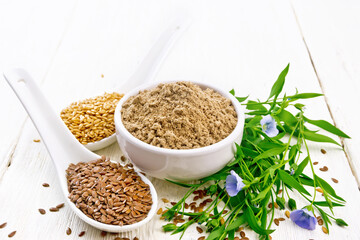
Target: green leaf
x=319 y=138
x=169 y=227
x=327 y=126
x=341 y=222
x=304 y=96
x=252 y=105
x=217 y=233
x=289 y=180
x=249 y=214
x=232 y=92
x=269 y=153
x=287 y=118
x=301 y=167
x=325 y=204
x=240 y=220
x=242 y=99
x=279 y=84
x=187 y=185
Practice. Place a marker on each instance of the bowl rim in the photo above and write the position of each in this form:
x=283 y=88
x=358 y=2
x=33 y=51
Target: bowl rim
x=230 y=139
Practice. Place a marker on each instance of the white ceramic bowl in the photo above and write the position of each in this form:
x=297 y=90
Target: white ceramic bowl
x=178 y=164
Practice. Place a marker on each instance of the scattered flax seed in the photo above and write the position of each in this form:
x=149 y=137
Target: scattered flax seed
x=12 y=234
x=42 y=211
x=54 y=209
x=324 y=229
x=173 y=203
x=186 y=206
x=236 y=238
x=68 y=231
x=82 y=234
x=36 y=140
x=280 y=191
x=165 y=200
x=245 y=238
x=324 y=168
x=201 y=238
x=135 y=238
x=159 y=211
x=103 y=233
x=45 y=185
x=3 y=225
x=287 y=214
x=281 y=219
x=334 y=180
x=199 y=229
x=276 y=205
x=196 y=198
x=92 y=119
x=319 y=190
x=60 y=205
x=242 y=234
x=102 y=75
x=239 y=229
x=320 y=222
x=276 y=221
x=222 y=221
x=270 y=205
x=315 y=163
x=123 y=158
x=323 y=151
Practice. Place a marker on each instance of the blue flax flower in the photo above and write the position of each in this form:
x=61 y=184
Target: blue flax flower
x=304 y=218
x=234 y=184
x=268 y=125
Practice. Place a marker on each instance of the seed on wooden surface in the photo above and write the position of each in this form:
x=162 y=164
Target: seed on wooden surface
x=102 y=75
x=68 y=231
x=324 y=168
x=42 y=211
x=281 y=219
x=323 y=151
x=245 y=238
x=199 y=229
x=165 y=200
x=239 y=229
x=236 y=238
x=92 y=119
x=319 y=190
x=201 y=238
x=46 y=185
x=276 y=205
x=270 y=205
x=82 y=234
x=159 y=211
x=276 y=221
x=12 y=234
x=280 y=191
x=60 y=205
x=287 y=214
x=103 y=233
x=315 y=163
x=54 y=209
x=123 y=158
x=242 y=234
x=196 y=198
x=36 y=140
x=173 y=203
x=222 y=221
x=334 y=180
x=135 y=238
x=3 y=225
x=108 y=192
x=186 y=206
x=324 y=229
x=125 y=238
x=320 y=222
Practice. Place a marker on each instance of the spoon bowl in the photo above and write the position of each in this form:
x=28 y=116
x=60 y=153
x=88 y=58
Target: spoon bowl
x=62 y=146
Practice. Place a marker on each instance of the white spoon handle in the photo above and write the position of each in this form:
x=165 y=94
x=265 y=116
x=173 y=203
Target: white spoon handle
x=60 y=143
x=151 y=64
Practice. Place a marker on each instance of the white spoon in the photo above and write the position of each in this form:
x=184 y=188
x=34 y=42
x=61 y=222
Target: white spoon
x=148 y=68
x=62 y=146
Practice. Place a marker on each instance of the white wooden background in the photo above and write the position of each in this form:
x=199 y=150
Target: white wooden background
x=67 y=45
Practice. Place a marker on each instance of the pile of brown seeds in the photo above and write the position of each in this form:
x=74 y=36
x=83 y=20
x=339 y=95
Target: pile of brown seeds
x=108 y=192
x=92 y=119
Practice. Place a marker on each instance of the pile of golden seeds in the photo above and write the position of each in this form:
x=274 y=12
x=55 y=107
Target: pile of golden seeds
x=92 y=119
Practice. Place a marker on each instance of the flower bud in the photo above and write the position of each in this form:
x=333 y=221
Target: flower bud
x=281 y=202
